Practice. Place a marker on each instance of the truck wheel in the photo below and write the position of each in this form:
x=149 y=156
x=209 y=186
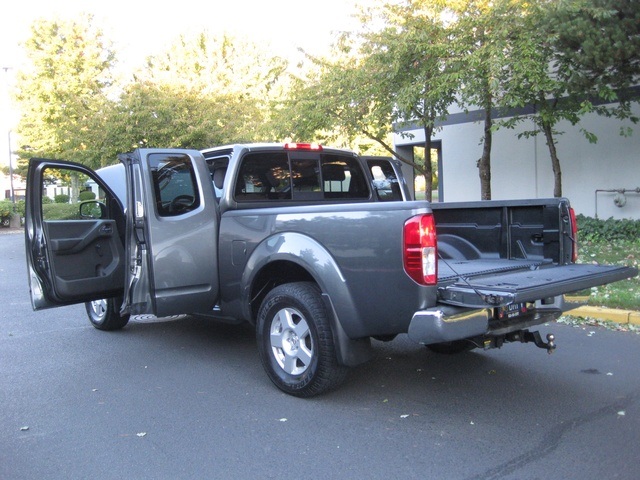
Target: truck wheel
x=451 y=348
x=295 y=341
x=104 y=314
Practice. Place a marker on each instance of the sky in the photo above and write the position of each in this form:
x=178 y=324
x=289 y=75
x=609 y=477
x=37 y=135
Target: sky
x=140 y=28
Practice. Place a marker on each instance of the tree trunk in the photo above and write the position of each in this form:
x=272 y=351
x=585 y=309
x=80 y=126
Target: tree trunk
x=555 y=161
x=428 y=170
x=484 y=164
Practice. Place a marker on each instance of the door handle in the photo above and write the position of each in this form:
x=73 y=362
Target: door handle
x=106 y=230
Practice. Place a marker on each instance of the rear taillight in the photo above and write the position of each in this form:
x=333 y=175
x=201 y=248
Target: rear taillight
x=420 y=249
x=574 y=235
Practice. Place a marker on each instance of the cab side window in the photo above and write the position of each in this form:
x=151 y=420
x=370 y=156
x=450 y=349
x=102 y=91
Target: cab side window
x=263 y=176
x=174 y=184
x=342 y=177
x=385 y=181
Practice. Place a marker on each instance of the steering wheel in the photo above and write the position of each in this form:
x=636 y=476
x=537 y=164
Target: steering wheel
x=181 y=203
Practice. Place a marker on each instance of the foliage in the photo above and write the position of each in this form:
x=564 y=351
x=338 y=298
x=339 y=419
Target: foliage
x=611 y=242
x=623 y=294
x=412 y=52
x=206 y=90
x=610 y=230
x=481 y=31
x=396 y=70
x=60 y=211
x=153 y=115
x=63 y=88
x=20 y=206
x=407 y=62
x=568 y=60
x=6 y=207
x=597 y=43
x=202 y=92
x=61 y=198
x=86 y=195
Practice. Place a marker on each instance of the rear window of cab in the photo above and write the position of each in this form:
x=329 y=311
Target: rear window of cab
x=267 y=176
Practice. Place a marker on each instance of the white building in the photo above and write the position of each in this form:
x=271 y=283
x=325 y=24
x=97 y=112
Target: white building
x=600 y=179
x=5 y=187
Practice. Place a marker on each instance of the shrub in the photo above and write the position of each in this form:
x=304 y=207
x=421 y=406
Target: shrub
x=86 y=195
x=5 y=208
x=61 y=198
x=20 y=207
x=597 y=230
x=60 y=211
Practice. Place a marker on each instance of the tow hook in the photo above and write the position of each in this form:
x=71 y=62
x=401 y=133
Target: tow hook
x=549 y=345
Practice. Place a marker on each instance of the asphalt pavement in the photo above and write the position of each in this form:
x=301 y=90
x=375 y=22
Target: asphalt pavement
x=183 y=398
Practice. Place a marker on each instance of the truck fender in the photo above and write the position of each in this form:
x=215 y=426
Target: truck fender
x=311 y=256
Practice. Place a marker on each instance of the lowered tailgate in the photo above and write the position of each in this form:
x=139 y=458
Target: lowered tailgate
x=502 y=282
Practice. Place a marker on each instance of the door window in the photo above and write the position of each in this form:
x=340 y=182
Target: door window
x=174 y=184
x=68 y=194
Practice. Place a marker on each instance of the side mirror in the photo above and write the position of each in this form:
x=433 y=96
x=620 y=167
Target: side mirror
x=91 y=209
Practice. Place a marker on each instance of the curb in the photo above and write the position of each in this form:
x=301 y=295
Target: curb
x=623 y=317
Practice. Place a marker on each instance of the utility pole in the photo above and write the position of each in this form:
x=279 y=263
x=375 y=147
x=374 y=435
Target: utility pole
x=13 y=195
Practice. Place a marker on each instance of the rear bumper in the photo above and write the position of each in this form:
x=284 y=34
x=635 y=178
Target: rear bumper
x=447 y=324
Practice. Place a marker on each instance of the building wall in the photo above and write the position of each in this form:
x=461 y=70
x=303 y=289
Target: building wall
x=521 y=168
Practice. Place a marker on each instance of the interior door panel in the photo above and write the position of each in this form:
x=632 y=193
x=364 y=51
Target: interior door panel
x=85 y=256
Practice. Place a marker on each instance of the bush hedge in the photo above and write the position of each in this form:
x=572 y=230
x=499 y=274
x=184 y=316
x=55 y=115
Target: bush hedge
x=5 y=208
x=597 y=230
x=61 y=211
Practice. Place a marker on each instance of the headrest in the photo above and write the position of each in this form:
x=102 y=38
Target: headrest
x=333 y=173
x=218 y=177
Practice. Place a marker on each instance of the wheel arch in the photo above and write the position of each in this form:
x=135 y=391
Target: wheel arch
x=293 y=257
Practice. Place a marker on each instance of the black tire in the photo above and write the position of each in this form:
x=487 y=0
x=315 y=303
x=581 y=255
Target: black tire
x=295 y=341
x=104 y=314
x=452 y=348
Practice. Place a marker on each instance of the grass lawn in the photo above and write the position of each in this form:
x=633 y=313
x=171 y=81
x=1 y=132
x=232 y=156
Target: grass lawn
x=624 y=294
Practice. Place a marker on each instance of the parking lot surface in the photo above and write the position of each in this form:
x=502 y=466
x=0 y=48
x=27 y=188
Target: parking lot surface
x=186 y=398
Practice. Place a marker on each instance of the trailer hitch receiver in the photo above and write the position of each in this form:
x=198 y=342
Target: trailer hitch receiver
x=526 y=336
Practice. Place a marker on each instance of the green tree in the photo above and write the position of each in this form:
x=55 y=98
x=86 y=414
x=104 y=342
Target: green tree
x=571 y=58
x=395 y=70
x=597 y=49
x=203 y=91
x=414 y=64
x=63 y=88
x=335 y=102
x=479 y=38
x=241 y=79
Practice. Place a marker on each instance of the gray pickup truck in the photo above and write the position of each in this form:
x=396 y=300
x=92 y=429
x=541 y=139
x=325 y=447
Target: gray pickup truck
x=320 y=249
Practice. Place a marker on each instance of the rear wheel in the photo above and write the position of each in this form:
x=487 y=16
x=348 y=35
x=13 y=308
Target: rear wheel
x=104 y=314
x=295 y=341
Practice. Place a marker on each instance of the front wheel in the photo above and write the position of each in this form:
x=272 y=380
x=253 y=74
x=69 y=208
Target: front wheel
x=104 y=314
x=295 y=341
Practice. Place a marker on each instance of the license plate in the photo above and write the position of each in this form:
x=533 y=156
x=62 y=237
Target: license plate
x=512 y=311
